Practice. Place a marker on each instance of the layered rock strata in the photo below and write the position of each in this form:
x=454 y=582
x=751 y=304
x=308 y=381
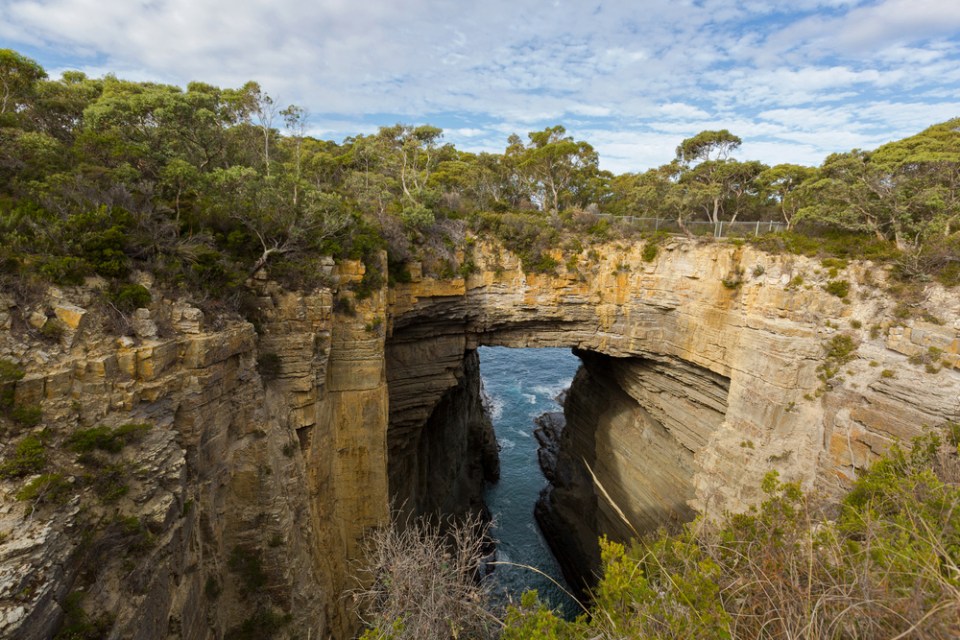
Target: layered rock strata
x=244 y=501
x=638 y=421
x=438 y=465
x=271 y=452
x=716 y=368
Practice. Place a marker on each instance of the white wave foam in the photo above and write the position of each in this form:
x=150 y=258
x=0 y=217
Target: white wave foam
x=506 y=443
x=493 y=405
x=551 y=391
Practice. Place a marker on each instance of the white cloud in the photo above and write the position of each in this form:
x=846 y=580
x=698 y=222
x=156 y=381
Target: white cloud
x=632 y=78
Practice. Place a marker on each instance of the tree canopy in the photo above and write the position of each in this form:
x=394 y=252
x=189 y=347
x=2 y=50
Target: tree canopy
x=203 y=185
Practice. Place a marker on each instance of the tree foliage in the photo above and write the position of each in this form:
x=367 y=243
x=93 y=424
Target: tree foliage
x=205 y=185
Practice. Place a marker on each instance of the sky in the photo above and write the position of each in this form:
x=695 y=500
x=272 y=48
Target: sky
x=796 y=79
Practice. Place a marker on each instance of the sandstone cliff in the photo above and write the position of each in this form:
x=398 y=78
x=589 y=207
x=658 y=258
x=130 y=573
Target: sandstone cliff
x=246 y=498
x=704 y=369
x=271 y=451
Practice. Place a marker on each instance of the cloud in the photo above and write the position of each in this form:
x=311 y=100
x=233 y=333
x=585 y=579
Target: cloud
x=631 y=78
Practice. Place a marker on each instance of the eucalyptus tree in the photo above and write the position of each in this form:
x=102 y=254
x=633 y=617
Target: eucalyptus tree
x=705 y=170
x=555 y=166
x=781 y=183
x=18 y=77
x=905 y=191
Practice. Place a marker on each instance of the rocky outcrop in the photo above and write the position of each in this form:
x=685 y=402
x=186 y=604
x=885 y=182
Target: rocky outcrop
x=271 y=451
x=245 y=501
x=438 y=467
x=641 y=422
x=715 y=368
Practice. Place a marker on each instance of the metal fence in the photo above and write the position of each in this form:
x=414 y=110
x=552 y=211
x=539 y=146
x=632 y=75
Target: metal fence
x=720 y=229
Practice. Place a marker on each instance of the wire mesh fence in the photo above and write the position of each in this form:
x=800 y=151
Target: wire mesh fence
x=721 y=229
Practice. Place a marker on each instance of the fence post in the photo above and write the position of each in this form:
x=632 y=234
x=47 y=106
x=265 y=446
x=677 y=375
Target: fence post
x=657 y=226
x=720 y=231
x=757 y=232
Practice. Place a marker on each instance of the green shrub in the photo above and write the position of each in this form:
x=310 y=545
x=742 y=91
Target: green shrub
x=841 y=348
x=10 y=371
x=27 y=415
x=533 y=620
x=834 y=264
x=545 y=263
x=52 y=329
x=468 y=268
x=398 y=272
x=884 y=564
x=369 y=284
x=132 y=431
x=650 y=251
x=29 y=457
x=49 y=488
x=65 y=270
x=130 y=297
x=110 y=482
x=106 y=439
x=132 y=533
x=839 y=288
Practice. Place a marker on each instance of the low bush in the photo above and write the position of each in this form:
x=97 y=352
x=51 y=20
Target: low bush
x=28 y=457
x=886 y=565
x=650 y=251
x=27 y=415
x=111 y=440
x=130 y=297
x=49 y=488
x=839 y=288
x=423 y=583
x=10 y=371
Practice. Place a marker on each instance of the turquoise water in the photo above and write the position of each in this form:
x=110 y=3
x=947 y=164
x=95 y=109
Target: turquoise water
x=521 y=384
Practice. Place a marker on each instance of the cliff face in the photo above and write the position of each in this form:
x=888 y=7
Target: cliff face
x=270 y=452
x=704 y=369
x=638 y=422
x=244 y=501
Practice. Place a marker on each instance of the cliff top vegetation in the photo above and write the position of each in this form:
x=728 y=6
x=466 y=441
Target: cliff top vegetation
x=202 y=186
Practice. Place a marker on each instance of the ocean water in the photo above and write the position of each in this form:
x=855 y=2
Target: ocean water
x=521 y=384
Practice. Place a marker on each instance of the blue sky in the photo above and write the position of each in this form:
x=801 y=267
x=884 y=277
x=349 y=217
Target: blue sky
x=796 y=80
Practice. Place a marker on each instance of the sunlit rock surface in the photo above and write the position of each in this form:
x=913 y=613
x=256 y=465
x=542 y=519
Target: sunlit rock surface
x=701 y=375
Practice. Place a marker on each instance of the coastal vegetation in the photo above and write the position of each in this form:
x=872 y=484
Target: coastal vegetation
x=203 y=186
x=884 y=562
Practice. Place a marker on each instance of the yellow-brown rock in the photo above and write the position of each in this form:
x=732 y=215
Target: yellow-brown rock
x=289 y=442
